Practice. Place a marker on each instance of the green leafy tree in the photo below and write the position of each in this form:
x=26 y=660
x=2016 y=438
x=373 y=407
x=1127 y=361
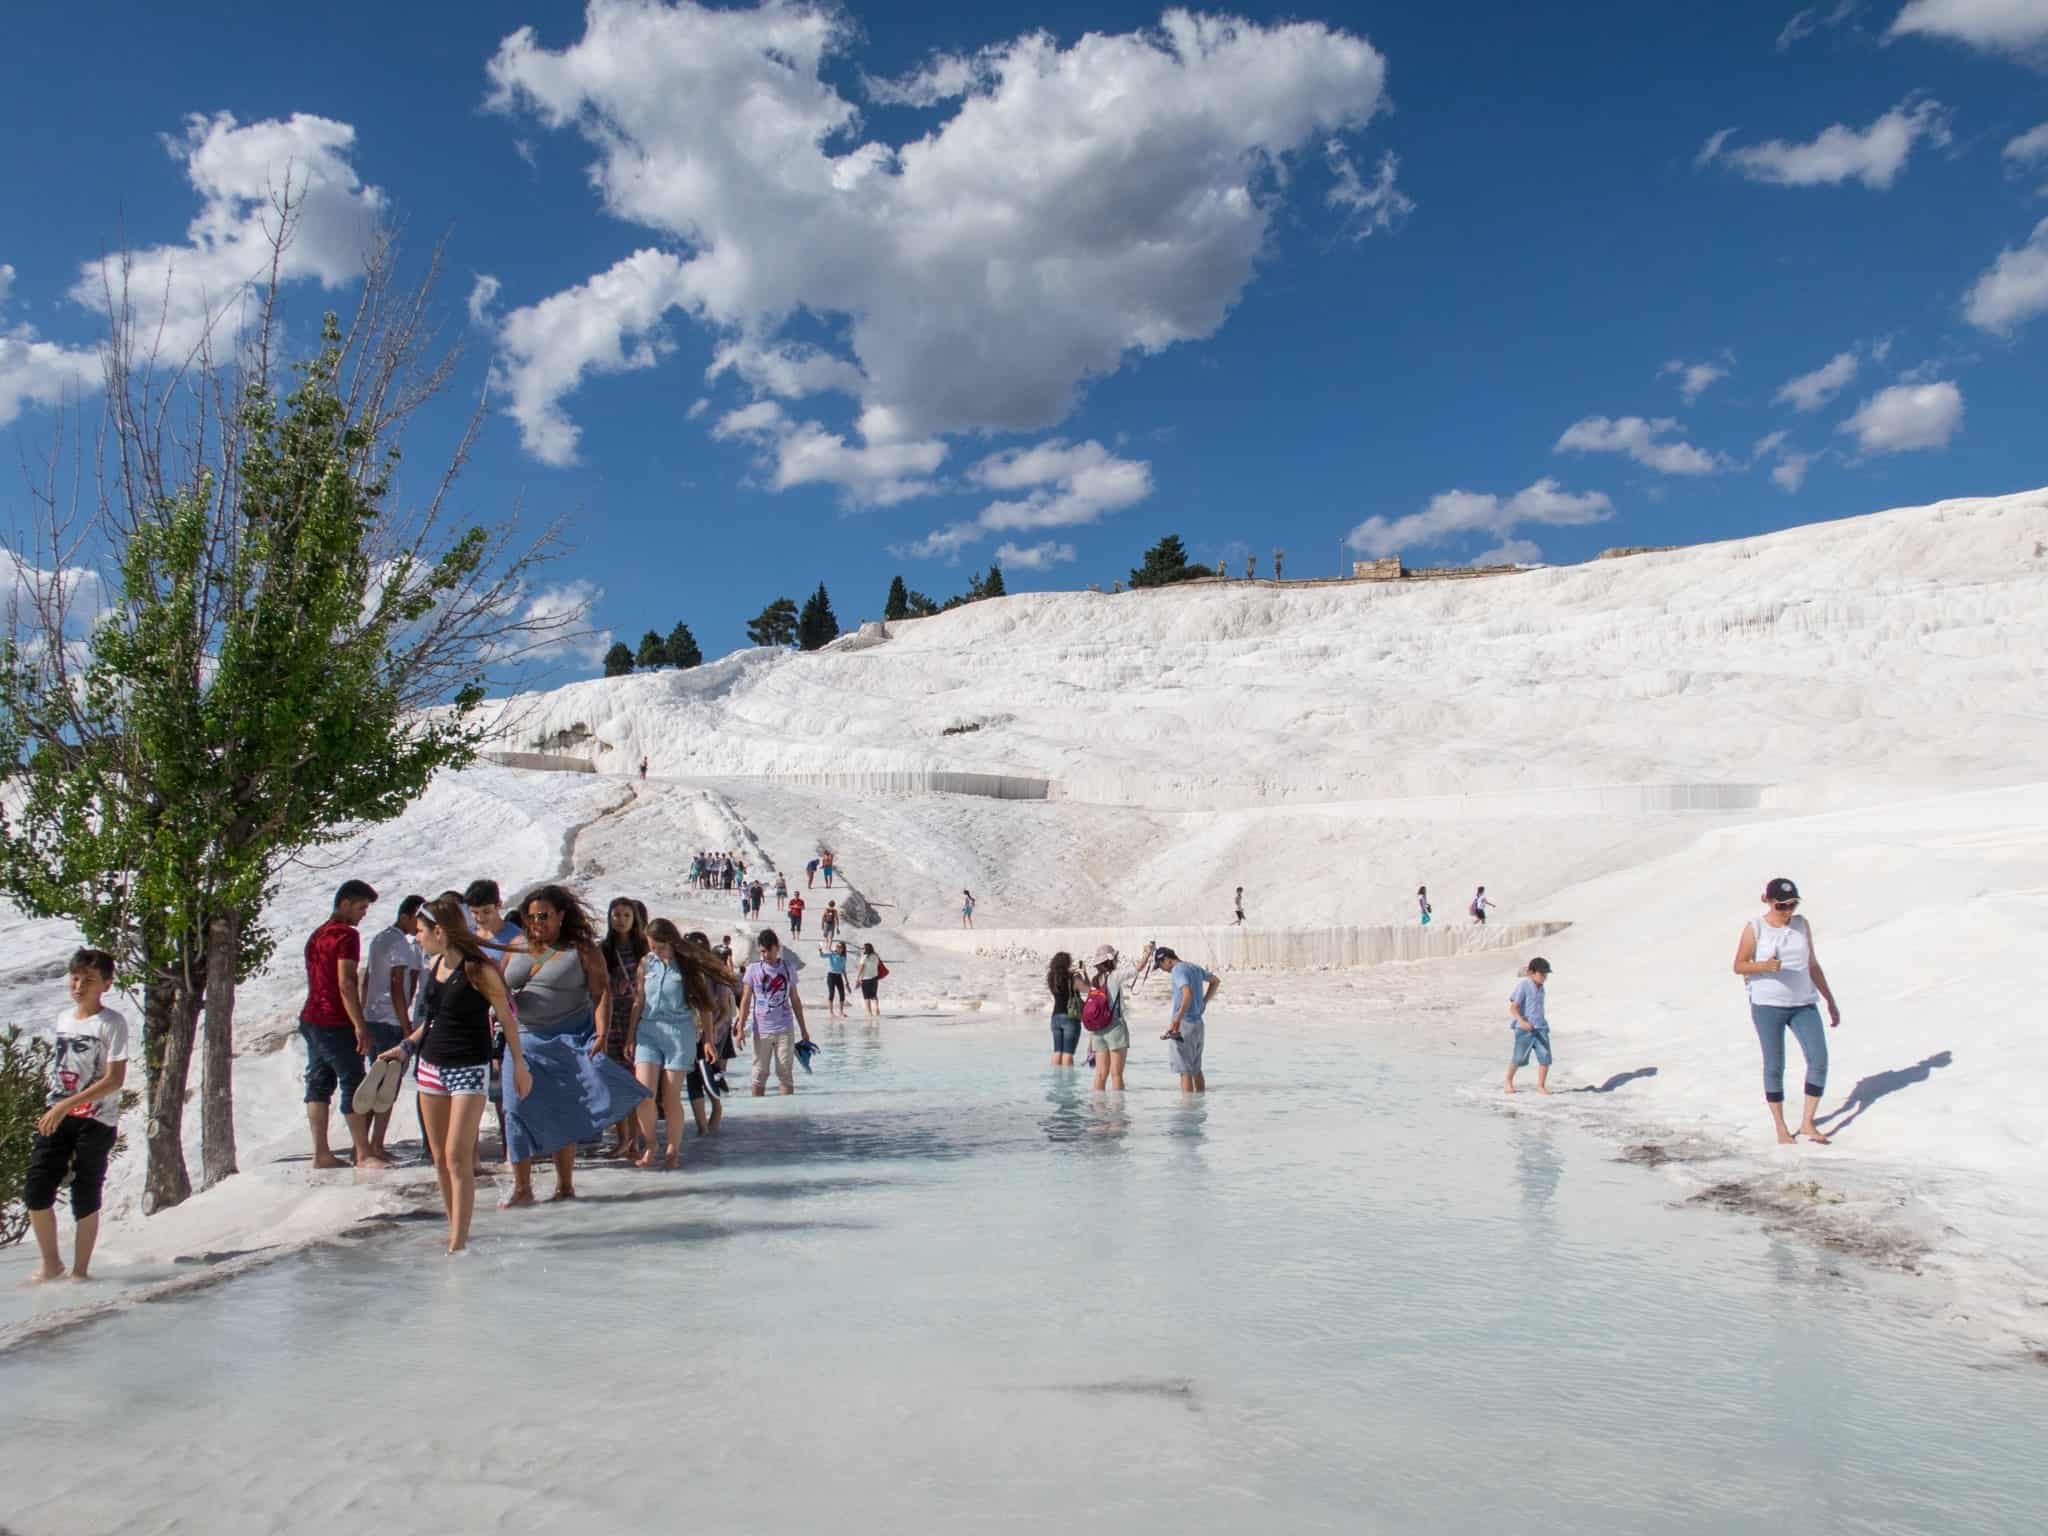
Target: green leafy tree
x=24 y=1090
x=775 y=624
x=898 y=605
x=681 y=648
x=256 y=680
x=817 y=625
x=1166 y=563
x=653 y=652
x=618 y=661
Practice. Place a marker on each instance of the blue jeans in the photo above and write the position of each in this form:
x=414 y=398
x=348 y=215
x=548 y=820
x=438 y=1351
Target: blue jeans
x=331 y=1061
x=1531 y=1040
x=1804 y=1022
x=1066 y=1033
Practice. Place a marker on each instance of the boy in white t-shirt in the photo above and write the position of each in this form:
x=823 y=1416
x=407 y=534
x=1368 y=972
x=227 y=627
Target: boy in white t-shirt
x=75 y=1135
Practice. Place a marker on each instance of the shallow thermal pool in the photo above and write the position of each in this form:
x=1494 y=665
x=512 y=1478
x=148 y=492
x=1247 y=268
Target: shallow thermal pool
x=945 y=1289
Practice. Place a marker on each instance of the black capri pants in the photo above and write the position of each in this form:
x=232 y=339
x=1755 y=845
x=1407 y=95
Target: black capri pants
x=81 y=1147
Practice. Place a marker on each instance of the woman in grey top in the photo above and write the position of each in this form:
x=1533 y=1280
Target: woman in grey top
x=561 y=993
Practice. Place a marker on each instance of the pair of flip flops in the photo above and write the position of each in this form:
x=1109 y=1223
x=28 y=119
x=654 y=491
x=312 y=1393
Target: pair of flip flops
x=377 y=1094
x=805 y=1050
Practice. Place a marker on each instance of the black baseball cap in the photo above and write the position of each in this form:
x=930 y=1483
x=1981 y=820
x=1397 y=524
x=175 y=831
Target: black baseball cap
x=1539 y=964
x=1781 y=889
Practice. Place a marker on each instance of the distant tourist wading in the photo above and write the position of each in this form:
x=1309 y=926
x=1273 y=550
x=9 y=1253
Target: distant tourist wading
x=460 y=990
x=872 y=970
x=835 y=979
x=1189 y=1031
x=1069 y=996
x=967 y=909
x=1777 y=962
x=74 y=1135
x=331 y=1023
x=1102 y=1016
x=1531 y=1022
x=1422 y=903
x=1479 y=906
x=1238 y=904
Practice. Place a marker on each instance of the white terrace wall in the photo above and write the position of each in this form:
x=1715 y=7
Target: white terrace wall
x=1167 y=792
x=544 y=762
x=1246 y=949
x=919 y=781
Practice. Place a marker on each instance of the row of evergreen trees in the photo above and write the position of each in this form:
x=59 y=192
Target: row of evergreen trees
x=783 y=624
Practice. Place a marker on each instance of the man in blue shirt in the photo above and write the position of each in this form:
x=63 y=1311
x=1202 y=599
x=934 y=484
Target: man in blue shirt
x=1192 y=989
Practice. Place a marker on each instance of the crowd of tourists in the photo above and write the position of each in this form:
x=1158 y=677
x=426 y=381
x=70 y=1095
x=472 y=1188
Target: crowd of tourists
x=581 y=1035
x=573 y=1030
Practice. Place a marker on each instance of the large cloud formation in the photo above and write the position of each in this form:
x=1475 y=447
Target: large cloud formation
x=1070 y=206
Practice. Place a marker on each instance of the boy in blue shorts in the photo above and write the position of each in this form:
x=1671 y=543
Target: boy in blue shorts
x=1532 y=1025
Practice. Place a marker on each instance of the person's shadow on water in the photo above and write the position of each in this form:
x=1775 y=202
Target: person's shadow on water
x=1870 y=1089
x=1616 y=1081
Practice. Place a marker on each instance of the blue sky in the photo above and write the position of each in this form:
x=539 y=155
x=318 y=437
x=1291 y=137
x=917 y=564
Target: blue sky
x=775 y=295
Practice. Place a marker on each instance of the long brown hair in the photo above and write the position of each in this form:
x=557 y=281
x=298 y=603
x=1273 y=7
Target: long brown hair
x=1059 y=977
x=447 y=913
x=577 y=928
x=636 y=936
x=696 y=962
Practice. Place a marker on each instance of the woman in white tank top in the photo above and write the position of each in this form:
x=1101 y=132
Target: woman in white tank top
x=1775 y=959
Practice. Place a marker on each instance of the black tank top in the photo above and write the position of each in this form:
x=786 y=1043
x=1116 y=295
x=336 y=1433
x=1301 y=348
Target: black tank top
x=458 y=1021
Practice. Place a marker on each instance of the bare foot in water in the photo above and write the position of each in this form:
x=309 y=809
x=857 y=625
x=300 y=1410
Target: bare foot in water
x=43 y=1277
x=327 y=1160
x=645 y=1159
x=1510 y=1088
x=516 y=1198
x=371 y=1160
x=1786 y=1138
x=561 y=1194
x=1812 y=1133
x=673 y=1161
x=1543 y=1090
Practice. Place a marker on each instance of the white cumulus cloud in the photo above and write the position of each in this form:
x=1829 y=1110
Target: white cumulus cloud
x=38 y=372
x=1907 y=417
x=1034 y=557
x=1053 y=484
x=1369 y=206
x=1811 y=391
x=2028 y=149
x=1649 y=443
x=483 y=293
x=1874 y=155
x=2015 y=287
x=1451 y=513
x=1816 y=18
x=1997 y=26
x=1067 y=207
x=183 y=294
x=1694 y=379
x=875 y=471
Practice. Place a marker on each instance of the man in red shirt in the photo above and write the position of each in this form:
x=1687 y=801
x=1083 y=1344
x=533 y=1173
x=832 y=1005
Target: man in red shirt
x=332 y=1025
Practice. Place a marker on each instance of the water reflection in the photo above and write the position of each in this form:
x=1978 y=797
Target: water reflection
x=1538 y=1165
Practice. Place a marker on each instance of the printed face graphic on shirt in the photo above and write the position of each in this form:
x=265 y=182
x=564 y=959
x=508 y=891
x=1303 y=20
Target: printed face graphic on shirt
x=77 y=1064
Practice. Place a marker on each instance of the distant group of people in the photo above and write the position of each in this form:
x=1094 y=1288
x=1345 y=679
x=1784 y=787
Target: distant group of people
x=1090 y=1000
x=1476 y=909
x=717 y=872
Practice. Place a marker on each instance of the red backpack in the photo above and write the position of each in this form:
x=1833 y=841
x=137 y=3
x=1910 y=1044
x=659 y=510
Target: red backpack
x=1096 y=1014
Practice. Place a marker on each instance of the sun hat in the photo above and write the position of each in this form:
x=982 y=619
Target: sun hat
x=1105 y=955
x=1781 y=889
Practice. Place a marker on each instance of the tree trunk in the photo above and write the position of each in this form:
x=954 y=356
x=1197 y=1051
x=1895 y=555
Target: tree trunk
x=217 y=1066
x=169 y=1020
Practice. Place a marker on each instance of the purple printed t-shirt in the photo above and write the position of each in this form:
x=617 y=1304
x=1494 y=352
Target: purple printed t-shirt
x=772 y=986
